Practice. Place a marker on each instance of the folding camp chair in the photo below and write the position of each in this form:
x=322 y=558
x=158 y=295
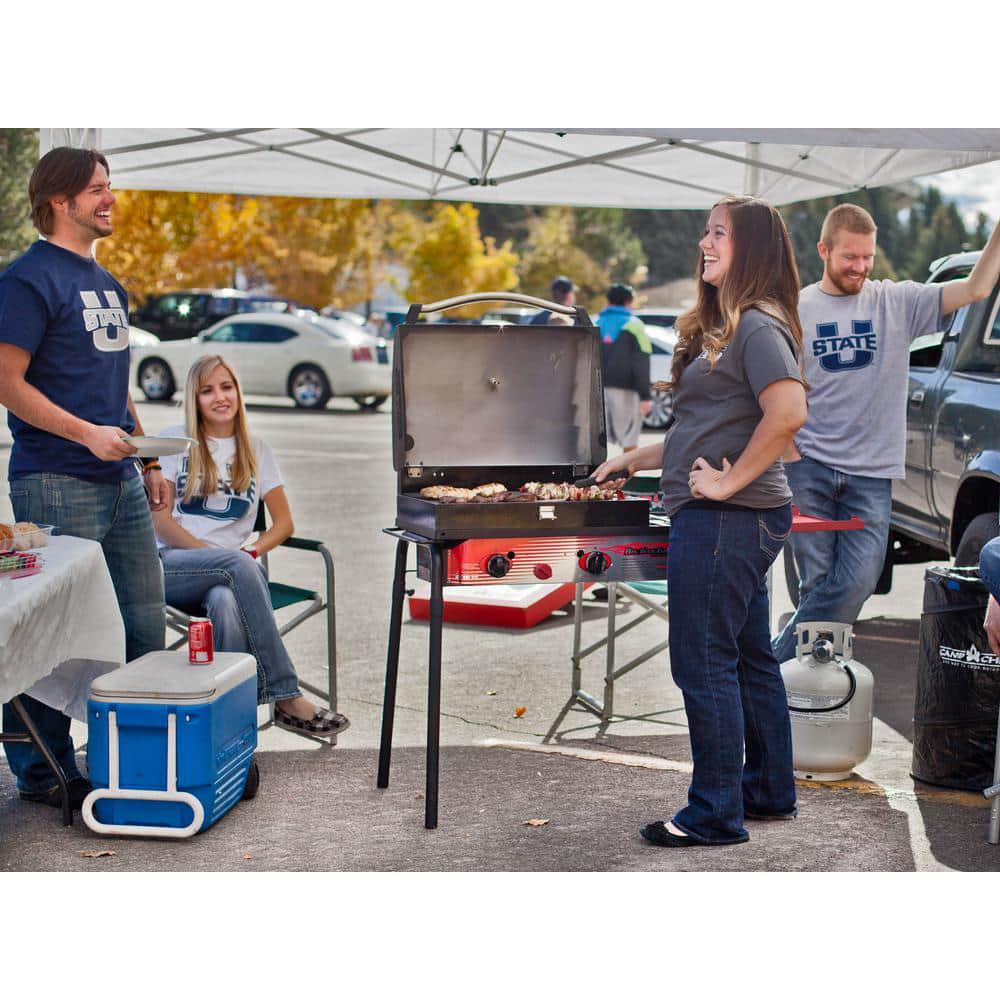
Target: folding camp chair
x=285 y=595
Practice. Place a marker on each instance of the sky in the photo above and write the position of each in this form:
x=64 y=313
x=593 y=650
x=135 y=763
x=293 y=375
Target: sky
x=975 y=189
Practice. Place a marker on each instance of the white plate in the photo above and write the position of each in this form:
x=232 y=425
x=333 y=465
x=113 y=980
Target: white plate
x=151 y=446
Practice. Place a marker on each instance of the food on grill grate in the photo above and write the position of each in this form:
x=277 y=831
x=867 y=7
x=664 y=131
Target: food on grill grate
x=530 y=492
x=608 y=490
x=457 y=493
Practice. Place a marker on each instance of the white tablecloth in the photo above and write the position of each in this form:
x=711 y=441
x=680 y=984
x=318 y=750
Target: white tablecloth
x=60 y=628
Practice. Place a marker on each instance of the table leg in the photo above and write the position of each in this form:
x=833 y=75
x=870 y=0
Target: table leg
x=392 y=664
x=434 y=686
x=43 y=748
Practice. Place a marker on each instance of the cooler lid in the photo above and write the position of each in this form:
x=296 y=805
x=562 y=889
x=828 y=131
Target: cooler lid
x=469 y=396
x=169 y=676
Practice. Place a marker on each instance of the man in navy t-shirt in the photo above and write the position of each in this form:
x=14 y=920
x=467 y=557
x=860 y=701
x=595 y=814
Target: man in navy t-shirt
x=64 y=367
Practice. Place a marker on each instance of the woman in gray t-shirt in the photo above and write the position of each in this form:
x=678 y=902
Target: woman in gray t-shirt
x=739 y=398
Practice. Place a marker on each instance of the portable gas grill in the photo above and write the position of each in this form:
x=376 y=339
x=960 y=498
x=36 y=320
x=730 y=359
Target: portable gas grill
x=510 y=404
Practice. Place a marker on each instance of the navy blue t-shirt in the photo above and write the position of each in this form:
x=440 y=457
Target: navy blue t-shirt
x=72 y=317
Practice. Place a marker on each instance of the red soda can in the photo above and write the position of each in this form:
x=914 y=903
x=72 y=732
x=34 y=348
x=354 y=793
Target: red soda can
x=200 y=648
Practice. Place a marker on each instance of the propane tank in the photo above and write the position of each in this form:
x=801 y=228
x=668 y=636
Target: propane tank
x=830 y=702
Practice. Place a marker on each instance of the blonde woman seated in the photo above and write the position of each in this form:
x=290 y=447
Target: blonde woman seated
x=213 y=493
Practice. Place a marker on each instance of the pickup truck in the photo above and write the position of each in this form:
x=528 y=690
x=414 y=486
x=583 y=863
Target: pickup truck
x=947 y=506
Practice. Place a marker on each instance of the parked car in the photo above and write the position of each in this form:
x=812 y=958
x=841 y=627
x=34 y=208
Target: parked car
x=309 y=359
x=948 y=503
x=658 y=317
x=663 y=340
x=139 y=339
x=508 y=314
x=182 y=314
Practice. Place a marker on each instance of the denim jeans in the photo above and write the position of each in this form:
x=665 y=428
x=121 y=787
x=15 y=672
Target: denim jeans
x=116 y=515
x=721 y=659
x=989 y=566
x=837 y=570
x=229 y=587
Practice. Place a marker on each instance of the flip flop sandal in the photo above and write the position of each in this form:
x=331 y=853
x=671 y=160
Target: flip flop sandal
x=323 y=723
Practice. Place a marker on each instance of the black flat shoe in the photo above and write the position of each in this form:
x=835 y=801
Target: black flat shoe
x=323 y=723
x=79 y=789
x=657 y=833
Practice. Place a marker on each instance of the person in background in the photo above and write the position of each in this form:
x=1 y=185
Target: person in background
x=856 y=361
x=64 y=368
x=209 y=566
x=563 y=292
x=625 y=354
x=738 y=400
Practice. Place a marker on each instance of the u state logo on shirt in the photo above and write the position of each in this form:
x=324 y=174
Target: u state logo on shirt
x=107 y=323
x=839 y=352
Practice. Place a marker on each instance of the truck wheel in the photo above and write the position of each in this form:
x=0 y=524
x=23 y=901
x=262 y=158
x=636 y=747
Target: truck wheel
x=980 y=530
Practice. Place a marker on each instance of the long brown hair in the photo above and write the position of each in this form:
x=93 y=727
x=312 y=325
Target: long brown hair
x=203 y=474
x=761 y=275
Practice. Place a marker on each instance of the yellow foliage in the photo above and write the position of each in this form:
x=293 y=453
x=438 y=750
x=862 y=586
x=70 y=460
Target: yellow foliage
x=316 y=251
x=448 y=257
x=553 y=251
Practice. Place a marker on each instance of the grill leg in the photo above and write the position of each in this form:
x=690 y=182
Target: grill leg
x=392 y=664
x=608 y=709
x=434 y=686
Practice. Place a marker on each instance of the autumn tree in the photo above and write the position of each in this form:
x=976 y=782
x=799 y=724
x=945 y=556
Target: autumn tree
x=551 y=250
x=18 y=154
x=324 y=251
x=447 y=256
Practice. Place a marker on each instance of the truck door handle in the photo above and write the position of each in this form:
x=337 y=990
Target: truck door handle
x=916 y=397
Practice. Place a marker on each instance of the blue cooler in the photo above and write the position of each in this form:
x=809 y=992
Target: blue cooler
x=170 y=743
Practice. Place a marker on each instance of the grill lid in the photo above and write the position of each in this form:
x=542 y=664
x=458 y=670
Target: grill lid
x=470 y=397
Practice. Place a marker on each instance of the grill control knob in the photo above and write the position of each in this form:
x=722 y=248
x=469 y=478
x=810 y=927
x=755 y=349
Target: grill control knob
x=498 y=565
x=543 y=571
x=595 y=563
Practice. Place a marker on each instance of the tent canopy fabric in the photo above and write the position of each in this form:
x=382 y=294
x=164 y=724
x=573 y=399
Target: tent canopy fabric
x=626 y=168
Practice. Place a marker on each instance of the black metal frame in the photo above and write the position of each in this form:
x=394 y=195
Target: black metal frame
x=403 y=540
x=35 y=737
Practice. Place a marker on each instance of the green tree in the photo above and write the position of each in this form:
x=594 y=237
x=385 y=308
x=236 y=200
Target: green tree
x=981 y=233
x=604 y=235
x=945 y=234
x=553 y=248
x=18 y=155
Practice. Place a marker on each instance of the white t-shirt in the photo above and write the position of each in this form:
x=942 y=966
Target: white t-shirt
x=856 y=359
x=225 y=519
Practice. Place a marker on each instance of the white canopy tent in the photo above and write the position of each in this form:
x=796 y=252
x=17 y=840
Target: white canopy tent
x=627 y=168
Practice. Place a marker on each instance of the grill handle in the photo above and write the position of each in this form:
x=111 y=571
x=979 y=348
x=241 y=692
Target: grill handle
x=581 y=315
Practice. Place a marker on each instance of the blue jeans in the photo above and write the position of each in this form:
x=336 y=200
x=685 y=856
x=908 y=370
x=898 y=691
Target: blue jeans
x=721 y=659
x=116 y=515
x=229 y=587
x=989 y=566
x=837 y=570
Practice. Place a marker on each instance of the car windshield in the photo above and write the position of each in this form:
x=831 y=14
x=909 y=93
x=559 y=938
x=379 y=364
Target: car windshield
x=339 y=329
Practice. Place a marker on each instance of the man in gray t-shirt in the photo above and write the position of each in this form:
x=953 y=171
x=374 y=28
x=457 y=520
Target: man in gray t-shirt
x=856 y=338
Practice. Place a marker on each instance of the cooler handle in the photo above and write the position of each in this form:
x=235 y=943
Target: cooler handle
x=144 y=795
x=581 y=314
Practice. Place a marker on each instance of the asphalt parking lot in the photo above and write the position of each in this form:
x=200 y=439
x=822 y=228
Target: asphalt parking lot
x=338 y=471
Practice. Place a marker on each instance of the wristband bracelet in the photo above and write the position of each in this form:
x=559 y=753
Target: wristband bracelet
x=151 y=467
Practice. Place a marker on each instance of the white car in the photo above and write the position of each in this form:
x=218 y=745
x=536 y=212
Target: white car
x=663 y=340
x=310 y=358
x=139 y=339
